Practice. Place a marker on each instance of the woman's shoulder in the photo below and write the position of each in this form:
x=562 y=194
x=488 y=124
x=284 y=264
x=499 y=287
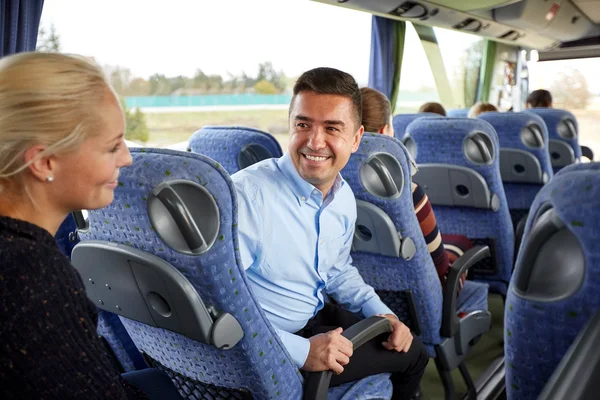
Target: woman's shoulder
x=21 y=252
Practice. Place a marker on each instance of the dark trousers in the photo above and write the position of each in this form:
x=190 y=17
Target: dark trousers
x=372 y=358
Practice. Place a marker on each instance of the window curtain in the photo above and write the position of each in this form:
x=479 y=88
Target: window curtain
x=486 y=74
x=387 y=49
x=20 y=22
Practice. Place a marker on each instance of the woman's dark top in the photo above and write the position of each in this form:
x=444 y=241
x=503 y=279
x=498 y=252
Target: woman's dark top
x=49 y=348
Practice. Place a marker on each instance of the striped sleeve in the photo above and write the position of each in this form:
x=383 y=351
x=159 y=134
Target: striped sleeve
x=431 y=233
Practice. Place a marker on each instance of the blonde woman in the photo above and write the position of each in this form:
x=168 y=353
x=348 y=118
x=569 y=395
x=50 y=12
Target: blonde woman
x=61 y=148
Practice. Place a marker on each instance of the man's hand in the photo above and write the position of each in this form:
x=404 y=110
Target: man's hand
x=401 y=338
x=328 y=351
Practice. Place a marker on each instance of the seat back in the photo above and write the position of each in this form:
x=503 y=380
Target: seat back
x=524 y=158
x=576 y=377
x=458 y=113
x=110 y=327
x=555 y=289
x=401 y=121
x=563 y=136
x=389 y=249
x=234 y=147
x=175 y=214
x=595 y=166
x=459 y=169
x=66 y=236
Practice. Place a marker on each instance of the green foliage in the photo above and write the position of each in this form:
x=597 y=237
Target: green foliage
x=48 y=40
x=265 y=87
x=472 y=70
x=570 y=90
x=268 y=80
x=135 y=122
x=125 y=84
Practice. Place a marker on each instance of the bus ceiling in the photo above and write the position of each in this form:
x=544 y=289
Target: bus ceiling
x=558 y=29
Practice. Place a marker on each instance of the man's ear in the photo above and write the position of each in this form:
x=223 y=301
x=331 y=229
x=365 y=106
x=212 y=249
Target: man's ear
x=42 y=167
x=382 y=129
x=357 y=136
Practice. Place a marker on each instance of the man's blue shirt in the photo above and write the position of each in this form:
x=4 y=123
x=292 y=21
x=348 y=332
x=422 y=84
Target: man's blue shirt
x=294 y=244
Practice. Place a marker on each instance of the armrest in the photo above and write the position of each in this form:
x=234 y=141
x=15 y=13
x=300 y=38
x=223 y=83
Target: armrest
x=317 y=383
x=576 y=376
x=587 y=153
x=470 y=258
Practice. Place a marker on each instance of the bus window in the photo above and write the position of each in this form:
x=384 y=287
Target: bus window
x=207 y=65
x=462 y=54
x=417 y=85
x=575 y=86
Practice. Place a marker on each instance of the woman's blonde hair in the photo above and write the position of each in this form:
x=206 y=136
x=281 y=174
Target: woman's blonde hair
x=376 y=109
x=479 y=108
x=50 y=99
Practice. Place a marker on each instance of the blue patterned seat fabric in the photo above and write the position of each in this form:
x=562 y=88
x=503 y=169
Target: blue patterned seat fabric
x=540 y=330
x=401 y=121
x=64 y=238
x=111 y=328
x=225 y=143
x=109 y=325
x=458 y=113
x=508 y=126
x=553 y=118
x=440 y=141
x=595 y=166
x=258 y=366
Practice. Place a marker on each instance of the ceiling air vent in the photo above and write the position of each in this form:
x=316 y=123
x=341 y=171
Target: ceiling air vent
x=469 y=24
x=410 y=9
x=510 y=35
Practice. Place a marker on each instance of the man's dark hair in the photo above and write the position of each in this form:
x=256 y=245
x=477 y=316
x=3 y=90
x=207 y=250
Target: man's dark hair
x=540 y=98
x=325 y=80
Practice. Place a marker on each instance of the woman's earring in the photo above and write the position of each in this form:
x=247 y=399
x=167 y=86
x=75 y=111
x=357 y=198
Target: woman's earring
x=50 y=179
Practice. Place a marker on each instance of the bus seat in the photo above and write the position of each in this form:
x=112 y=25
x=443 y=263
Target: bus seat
x=458 y=113
x=234 y=147
x=167 y=249
x=576 y=376
x=110 y=328
x=524 y=158
x=66 y=236
x=401 y=121
x=460 y=173
x=555 y=287
x=563 y=134
x=391 y=254
x=579 y=167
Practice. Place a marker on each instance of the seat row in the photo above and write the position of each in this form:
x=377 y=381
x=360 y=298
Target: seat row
x=388 y=252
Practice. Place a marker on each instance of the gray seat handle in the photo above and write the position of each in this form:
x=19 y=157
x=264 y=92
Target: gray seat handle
x=471 y=257
x=483 y=149
x=587 y=153
x=576 y=375
x=384 y=175
x=182 y=217
x=317 y=383
x=539 y=138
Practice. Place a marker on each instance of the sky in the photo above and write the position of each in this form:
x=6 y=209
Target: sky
x=233 y=36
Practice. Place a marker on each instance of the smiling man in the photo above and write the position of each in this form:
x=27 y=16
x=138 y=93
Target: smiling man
x=296 y=225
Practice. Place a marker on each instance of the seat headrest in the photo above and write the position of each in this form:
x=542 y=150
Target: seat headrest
x=453 y=138
x=234 y=147
x=557 y=256
x=401 y=121
x=518 y=129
